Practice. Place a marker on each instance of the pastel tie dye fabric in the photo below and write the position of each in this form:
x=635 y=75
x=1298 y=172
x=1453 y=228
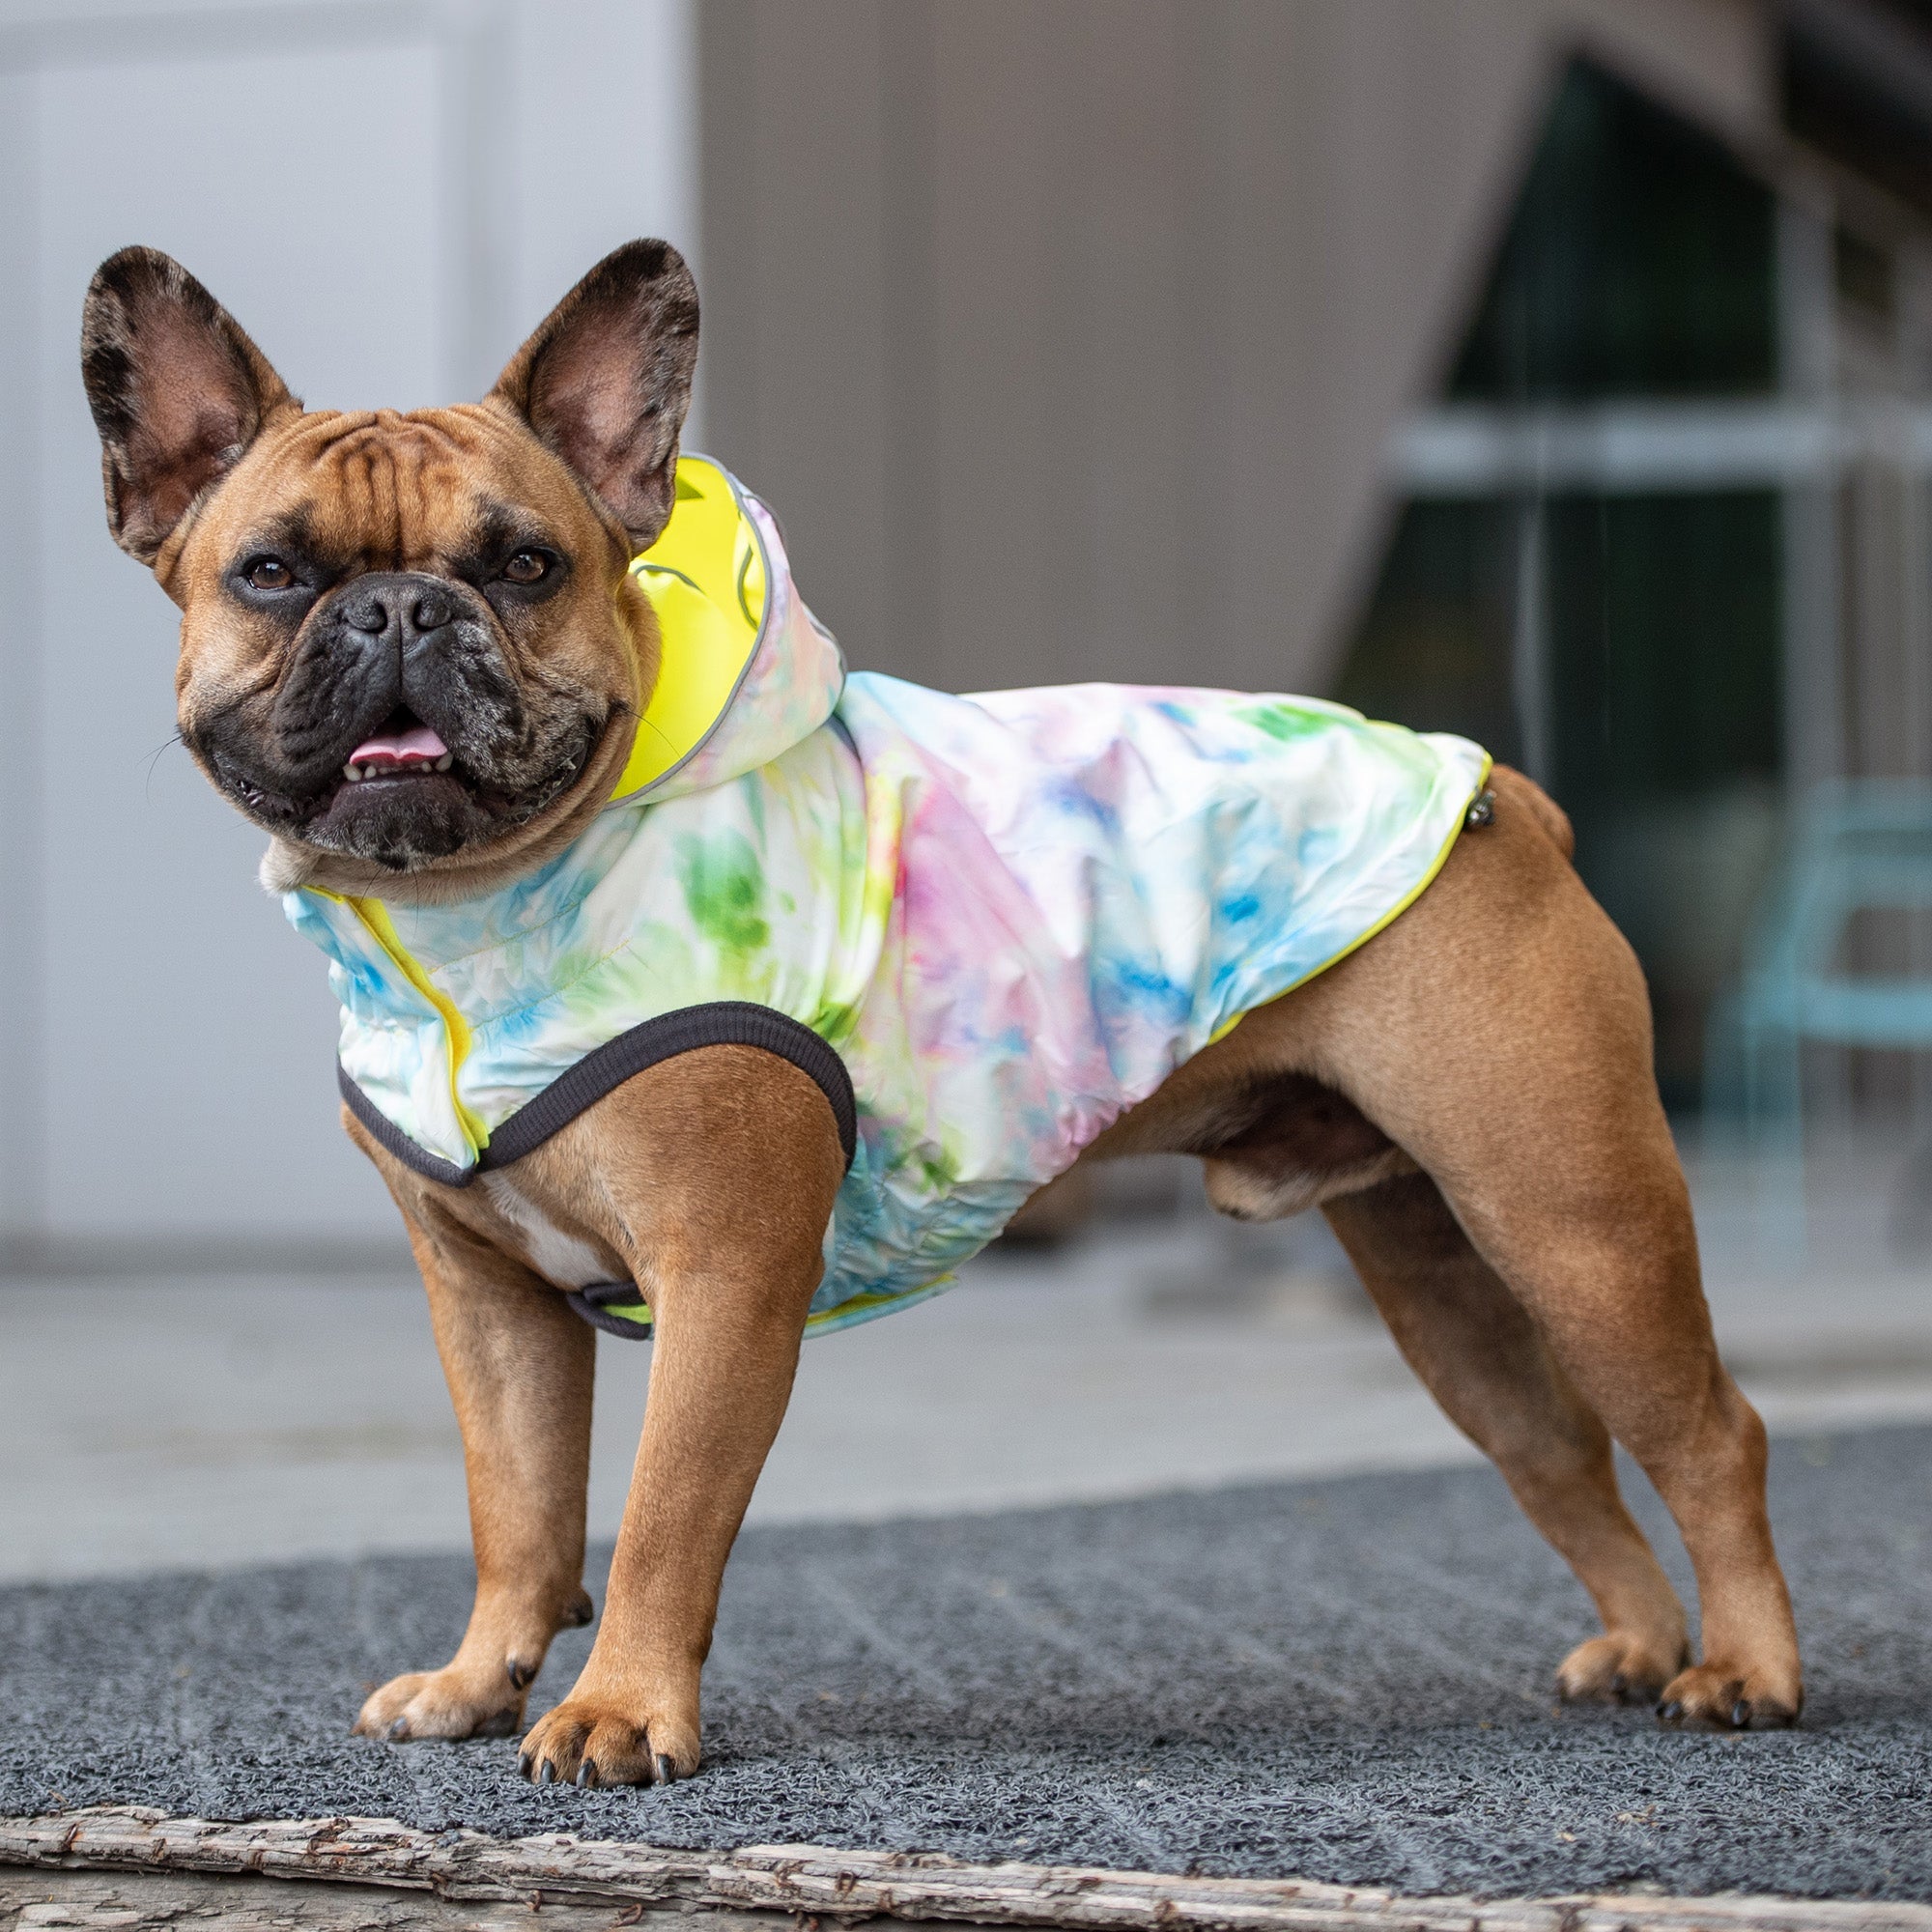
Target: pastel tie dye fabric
x=1011 y=915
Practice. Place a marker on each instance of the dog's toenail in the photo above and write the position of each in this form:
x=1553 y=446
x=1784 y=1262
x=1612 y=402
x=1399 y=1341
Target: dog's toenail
x=587 y=1774
x=520 y=1674
x=548 y=1774
x=522 y=1764
x=581 y=1611
x=1741 y=1715
x=1670 y=1710
x=665 y=1770
x=400 y=1728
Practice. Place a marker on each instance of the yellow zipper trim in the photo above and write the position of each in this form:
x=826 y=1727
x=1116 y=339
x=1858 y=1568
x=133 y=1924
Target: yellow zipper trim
x=375 y=915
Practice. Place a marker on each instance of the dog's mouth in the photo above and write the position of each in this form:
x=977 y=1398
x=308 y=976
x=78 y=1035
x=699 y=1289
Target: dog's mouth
x=404 y=764
x=404 y=795
x=401 y=751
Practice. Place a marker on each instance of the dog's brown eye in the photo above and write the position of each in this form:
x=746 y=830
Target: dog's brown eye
x=271 y=573
x=527 y=566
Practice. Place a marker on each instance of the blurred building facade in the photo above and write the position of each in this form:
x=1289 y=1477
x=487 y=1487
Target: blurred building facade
x=1546 y=370
x=1552 y=370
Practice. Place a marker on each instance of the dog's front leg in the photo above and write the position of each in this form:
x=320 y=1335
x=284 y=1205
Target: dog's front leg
x=520 y=1366
x=724 y=1164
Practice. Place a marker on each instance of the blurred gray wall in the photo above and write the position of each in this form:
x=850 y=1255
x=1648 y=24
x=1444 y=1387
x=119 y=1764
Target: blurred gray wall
x=388 y=197
x=1065 y=335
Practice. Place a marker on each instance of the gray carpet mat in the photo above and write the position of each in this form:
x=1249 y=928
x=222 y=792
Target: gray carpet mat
x=1343 y=1680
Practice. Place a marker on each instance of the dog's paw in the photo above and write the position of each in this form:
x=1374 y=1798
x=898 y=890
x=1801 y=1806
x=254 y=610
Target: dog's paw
x=592 y=1741
x=1619 y=1668
x=1720 y=1697
x=447 y=1703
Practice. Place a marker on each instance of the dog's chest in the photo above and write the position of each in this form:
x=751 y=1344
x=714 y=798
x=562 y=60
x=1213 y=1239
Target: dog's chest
x=553 y=1252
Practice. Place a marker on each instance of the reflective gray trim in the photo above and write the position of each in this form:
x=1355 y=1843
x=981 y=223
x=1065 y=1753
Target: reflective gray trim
x=717 y=1023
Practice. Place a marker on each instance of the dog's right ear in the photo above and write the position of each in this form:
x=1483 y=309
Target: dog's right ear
x=178 y=392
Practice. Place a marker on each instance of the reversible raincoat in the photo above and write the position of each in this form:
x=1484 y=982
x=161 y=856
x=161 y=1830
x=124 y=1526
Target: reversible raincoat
x=986 y=925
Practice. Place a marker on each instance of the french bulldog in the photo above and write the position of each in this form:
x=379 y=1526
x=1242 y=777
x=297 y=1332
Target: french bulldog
x=424 y=652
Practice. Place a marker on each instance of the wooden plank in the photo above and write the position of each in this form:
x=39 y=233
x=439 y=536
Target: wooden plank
x=148 y=1901
x=849 y=1885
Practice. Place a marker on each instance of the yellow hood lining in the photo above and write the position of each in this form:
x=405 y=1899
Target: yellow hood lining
x=709 y=582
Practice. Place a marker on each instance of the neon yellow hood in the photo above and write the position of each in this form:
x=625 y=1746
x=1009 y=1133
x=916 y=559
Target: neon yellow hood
x=746 y=670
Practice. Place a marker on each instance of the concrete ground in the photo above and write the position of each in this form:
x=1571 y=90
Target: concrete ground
x=187 y=1421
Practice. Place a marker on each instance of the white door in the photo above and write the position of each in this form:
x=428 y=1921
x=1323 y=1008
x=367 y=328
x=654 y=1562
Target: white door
x=386 y=198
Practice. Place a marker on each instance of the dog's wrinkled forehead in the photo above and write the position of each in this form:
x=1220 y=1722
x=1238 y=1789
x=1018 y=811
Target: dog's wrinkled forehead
x=436 y=491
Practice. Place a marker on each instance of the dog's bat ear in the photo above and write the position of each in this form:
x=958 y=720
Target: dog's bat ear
x=177 y=389
x=606 y=381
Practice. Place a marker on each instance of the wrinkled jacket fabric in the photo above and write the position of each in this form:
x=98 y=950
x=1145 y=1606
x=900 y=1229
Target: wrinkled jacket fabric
x=1011 y=915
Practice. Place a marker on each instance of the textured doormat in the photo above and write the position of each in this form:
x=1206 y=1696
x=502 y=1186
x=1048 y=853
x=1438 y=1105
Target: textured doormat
x=1342 y=1681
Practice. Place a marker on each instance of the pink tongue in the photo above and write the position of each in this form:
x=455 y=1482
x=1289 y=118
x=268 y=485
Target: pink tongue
x=417 y=746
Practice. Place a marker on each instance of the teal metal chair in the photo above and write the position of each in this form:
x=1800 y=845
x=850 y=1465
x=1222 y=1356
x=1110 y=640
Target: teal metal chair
x=1859 y=844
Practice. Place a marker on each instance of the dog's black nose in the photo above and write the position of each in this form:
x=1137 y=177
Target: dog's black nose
x=407 y=602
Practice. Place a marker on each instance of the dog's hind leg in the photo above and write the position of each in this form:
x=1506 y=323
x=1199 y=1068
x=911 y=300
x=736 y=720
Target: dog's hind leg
x=1591 y=1230
x=1484 y=1360
x=1500 y=1033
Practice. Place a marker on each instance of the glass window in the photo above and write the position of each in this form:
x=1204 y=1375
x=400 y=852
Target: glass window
x=1624 y=648
x=1639 y=262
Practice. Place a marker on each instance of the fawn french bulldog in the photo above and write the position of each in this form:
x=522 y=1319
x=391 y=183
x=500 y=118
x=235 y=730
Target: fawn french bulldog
x=694 y=988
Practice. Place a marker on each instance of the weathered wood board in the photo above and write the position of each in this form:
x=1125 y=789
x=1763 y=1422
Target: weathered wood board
x=813 y=1881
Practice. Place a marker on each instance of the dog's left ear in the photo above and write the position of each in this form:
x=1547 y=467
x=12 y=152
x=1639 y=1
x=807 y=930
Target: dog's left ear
x=606 y=381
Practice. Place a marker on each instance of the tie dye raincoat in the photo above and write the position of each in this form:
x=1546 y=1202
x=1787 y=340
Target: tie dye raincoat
x=987 y=924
